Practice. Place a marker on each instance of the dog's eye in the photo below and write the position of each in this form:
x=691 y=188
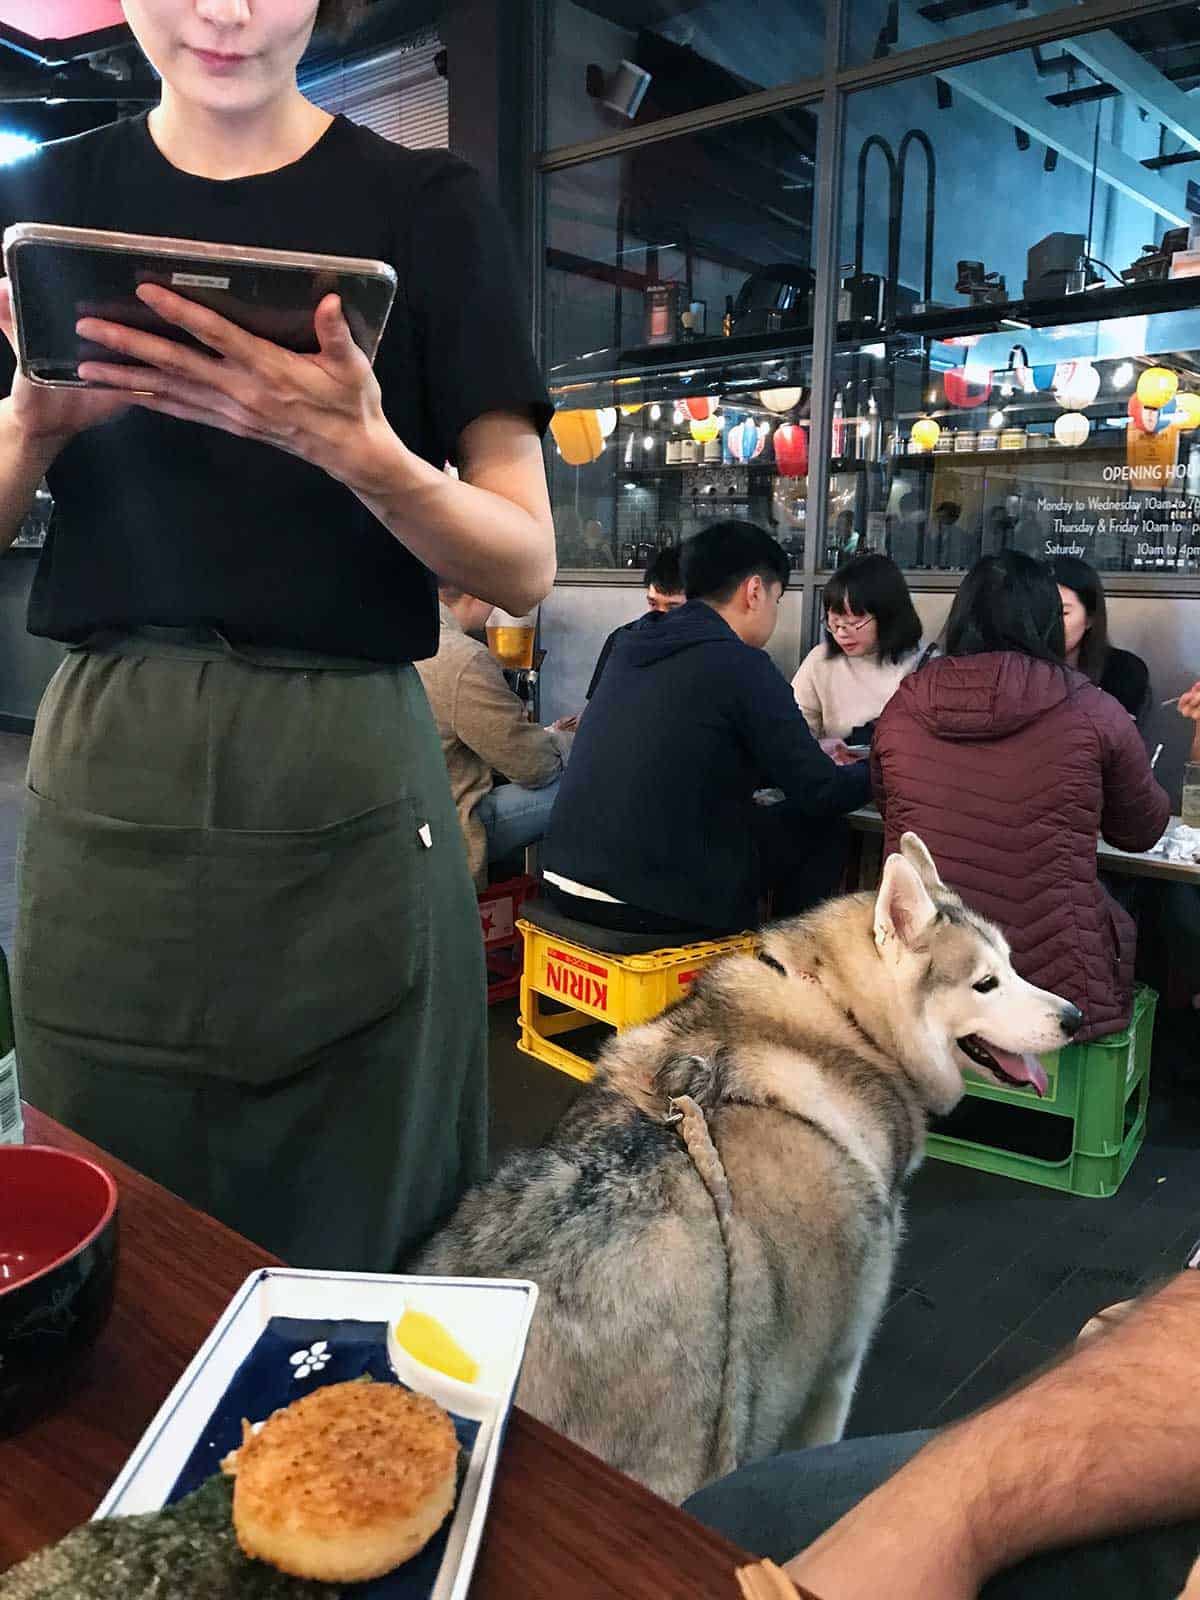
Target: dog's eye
x=986 y=985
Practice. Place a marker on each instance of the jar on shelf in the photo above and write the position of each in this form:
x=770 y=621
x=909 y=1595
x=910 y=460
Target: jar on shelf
x=964 y=441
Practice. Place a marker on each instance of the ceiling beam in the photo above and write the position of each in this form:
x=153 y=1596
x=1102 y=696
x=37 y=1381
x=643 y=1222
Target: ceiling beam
x=1006 y=86
x=1001 y=86
x=1112 y=59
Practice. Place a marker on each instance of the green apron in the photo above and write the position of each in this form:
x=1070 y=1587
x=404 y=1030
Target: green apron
x=248 y=958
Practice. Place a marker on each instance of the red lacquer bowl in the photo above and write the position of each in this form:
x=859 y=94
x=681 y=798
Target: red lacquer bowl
x=58 y=1252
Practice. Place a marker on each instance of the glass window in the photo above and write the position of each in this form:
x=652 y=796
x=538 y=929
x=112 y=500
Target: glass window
x=1020 y=343
x=672 y=274
x=613 y=64
x=879 y=28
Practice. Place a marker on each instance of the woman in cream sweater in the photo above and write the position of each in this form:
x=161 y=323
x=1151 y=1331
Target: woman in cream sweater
x=873 y=641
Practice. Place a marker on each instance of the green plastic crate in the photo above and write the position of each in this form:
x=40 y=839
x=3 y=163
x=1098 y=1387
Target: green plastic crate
x=1099 y=1092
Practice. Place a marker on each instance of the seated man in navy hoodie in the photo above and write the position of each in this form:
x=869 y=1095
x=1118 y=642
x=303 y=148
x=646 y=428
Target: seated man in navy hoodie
x=655 y=828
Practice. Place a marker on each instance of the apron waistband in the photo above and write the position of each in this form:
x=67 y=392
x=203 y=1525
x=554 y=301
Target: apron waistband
x=198 y=643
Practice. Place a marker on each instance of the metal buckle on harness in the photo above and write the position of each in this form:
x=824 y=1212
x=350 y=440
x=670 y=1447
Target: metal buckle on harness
x=672 y=1116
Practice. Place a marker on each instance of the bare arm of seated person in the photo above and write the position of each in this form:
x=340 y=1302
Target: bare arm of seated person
x=1044 y=1468
x=490 y=719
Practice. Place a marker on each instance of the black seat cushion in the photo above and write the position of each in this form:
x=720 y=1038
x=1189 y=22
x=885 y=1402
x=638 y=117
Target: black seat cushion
x=544 y=916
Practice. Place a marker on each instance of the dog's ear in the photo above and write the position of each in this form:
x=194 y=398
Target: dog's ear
x=701 y=1077
x=916 y=853
x=903 y=909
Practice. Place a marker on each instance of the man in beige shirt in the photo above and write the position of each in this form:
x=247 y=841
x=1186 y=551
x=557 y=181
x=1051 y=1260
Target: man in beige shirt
x=484 y=730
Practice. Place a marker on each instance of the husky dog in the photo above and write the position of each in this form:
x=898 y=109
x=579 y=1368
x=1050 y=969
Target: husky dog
x=703 y=1294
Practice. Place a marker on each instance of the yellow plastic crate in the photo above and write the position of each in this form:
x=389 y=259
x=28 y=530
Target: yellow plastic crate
x=597 y=986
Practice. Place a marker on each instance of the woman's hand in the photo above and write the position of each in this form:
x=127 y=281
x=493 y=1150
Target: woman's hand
x=48 y=418
x=839 y=752
x=1189 y=703
x=325 y=408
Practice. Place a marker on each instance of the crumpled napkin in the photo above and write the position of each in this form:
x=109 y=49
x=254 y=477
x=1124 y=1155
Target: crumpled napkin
x=1179 y=843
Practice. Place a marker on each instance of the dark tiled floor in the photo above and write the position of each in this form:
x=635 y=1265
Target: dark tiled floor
x=994 y=1275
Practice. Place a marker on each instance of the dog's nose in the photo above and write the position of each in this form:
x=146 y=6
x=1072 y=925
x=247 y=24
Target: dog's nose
x=1070 y=1019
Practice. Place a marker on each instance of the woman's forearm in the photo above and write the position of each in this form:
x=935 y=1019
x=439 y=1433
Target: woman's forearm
x=23 y=465
x=491 y=536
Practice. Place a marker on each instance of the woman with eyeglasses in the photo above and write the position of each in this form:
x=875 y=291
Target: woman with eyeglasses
x=872 y=642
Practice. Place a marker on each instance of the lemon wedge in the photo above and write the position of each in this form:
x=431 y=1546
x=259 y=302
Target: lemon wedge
x=428 y=1342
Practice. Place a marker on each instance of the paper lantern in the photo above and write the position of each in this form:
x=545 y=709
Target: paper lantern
x=1187 y=409
x=1076 y=384
x=1072 y=428
x=1149 y=419
x=747 y=440
x=632 y=411
x=925 y=432
x=967 y=386
x=702 y=407
x=781 y=399
x=706 y=430
x=606 y=417
x=1157 y=386
x=791 y=450
x=577 y=435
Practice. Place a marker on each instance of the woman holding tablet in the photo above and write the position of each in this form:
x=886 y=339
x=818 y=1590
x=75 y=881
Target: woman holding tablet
x=248 y=953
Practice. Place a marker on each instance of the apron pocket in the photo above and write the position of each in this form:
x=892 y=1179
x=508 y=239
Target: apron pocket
x=239 y=954
x=310 y=937
x=107 y=929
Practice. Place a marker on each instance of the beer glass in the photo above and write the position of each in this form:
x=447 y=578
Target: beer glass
x=510 y=639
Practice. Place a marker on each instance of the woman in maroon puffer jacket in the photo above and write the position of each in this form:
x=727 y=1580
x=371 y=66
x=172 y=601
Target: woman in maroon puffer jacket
x=1009 y=764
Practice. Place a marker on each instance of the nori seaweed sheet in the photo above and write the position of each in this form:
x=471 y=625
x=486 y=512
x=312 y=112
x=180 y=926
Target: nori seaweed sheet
x=187 y=1552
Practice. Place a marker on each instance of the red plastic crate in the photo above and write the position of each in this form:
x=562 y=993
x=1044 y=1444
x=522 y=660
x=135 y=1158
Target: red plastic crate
x=499 y=907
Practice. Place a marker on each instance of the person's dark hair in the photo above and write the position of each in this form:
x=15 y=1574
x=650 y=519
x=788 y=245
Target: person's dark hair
x=875 y=584
x=728 y=553
x=1008 y=602
x=1084 y=580
x=339 y=17
x=663 y=571
x=952 y=509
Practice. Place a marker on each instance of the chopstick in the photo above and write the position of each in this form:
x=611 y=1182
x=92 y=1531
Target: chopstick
x=1173 y=701
x=1157 y=752
x=766 y=1581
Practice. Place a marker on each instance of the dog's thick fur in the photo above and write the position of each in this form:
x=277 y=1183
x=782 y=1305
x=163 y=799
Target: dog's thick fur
x=817 y=1066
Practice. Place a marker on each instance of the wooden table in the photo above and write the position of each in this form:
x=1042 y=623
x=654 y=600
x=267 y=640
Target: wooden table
x=561 y=1522
x=1131 y=864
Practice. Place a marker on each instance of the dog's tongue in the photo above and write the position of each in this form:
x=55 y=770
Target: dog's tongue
x=1021 y=1069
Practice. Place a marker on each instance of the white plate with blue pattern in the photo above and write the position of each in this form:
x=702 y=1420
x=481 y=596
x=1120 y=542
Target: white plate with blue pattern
x=287 y=1332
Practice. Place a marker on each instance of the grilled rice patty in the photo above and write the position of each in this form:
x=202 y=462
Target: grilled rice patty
x=346 y=1483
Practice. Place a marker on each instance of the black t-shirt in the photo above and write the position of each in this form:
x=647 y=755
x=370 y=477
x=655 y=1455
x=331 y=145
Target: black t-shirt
x=171 y=523
x=1127 y=679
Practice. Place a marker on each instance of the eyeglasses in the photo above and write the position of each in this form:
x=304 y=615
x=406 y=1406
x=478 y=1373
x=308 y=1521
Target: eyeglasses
x=837 y=624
